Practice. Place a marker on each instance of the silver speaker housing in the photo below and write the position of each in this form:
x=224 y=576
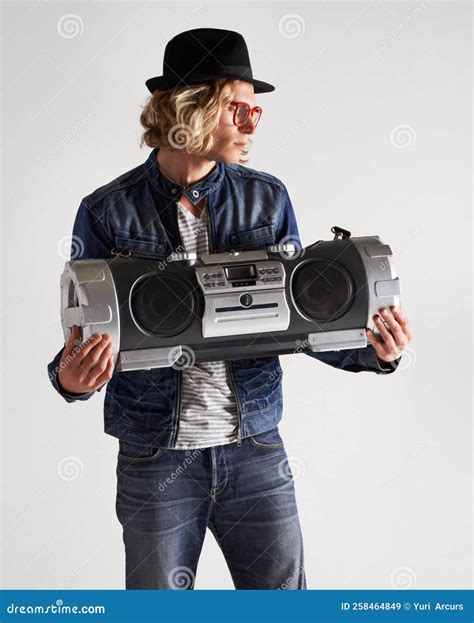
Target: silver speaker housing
x=89 y=299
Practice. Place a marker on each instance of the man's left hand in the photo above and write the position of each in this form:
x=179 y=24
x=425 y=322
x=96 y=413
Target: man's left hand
x=395 y=338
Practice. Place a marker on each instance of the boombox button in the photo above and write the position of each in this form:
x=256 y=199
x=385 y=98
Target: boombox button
x=206 y=276
x=275 y=270
x=246 y=300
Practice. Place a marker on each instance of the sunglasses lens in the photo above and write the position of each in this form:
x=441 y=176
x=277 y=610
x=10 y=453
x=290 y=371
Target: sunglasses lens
x=256 y=116
x=241 y=115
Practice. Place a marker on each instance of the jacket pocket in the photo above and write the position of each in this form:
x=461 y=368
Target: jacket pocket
x=256 y=238
x=139 y=246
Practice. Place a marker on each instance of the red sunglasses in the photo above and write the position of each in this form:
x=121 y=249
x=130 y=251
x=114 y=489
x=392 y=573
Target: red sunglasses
x=243 y=111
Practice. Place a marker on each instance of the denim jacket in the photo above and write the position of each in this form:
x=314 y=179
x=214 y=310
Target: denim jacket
x=247 y=209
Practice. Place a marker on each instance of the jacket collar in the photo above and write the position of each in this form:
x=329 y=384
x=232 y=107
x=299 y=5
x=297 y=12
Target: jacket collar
x=174 y=191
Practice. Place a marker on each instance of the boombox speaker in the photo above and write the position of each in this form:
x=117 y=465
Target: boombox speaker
x=233 y=305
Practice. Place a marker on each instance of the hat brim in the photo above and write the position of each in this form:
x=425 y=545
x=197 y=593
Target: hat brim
x=162 y=83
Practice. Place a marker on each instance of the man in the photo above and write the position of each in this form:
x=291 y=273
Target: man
x=199 y=446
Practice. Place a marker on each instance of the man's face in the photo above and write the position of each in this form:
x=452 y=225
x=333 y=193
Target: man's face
x=227 y=136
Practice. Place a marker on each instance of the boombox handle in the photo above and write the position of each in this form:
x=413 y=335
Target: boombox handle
x=340 y=233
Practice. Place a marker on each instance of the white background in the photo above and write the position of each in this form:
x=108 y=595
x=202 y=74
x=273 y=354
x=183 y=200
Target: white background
x=382 y=464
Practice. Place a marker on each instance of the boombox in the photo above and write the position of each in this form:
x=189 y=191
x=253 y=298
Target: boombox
x=233 y=305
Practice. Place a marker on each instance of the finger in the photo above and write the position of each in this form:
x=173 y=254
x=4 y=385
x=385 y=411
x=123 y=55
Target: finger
x=402 y=321
x=377 y=342
x=398 y=313
x=107 y=374
x=101 y=364
x=91 y=342
x=103 y=348
x=387 y=338
x=89 y=375
x=74 y=335
x=394 y=327
x=373 y=340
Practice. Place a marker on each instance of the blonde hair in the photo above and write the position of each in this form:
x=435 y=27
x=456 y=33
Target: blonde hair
x=185 y=117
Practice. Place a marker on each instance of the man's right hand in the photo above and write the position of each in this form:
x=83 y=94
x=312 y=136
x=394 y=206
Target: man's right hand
x=86 y=367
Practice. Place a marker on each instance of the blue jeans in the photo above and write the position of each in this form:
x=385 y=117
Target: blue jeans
x=166 y=498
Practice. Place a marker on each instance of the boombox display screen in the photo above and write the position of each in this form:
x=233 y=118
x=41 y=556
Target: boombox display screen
x=240 y=273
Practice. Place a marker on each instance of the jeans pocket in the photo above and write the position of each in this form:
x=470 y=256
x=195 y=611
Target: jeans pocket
x=268 y=439
x=137 y=453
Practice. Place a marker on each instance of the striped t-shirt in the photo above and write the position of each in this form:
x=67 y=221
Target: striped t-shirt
x=208 y=414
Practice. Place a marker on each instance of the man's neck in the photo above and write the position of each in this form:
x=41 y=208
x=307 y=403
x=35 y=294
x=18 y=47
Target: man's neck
x=183 y=168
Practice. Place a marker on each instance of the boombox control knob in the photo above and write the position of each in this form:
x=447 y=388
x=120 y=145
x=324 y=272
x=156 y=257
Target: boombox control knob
x=246 y=300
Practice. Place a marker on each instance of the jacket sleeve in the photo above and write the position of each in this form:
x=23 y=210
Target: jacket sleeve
x=90 y=240
x=355 y=360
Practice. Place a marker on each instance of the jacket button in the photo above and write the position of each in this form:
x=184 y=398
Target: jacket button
x=174 y=191
x=195 y=193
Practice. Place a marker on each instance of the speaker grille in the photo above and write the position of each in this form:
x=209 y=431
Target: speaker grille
x=163 y=305
x=322 y=289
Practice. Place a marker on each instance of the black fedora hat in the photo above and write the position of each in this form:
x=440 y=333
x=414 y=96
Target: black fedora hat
x=204 y=54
